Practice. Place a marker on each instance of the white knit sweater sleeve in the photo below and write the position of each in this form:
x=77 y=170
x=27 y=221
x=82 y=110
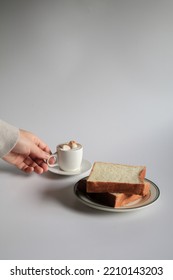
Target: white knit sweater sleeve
x=9 y=135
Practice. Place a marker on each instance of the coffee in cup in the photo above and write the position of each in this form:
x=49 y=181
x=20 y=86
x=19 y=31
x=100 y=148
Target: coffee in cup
x=68 y=156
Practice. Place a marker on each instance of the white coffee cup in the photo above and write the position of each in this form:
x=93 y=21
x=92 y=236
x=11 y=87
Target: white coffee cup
x=67 y=160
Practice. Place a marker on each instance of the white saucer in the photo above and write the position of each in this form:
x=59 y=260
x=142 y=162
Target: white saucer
x=86 y=166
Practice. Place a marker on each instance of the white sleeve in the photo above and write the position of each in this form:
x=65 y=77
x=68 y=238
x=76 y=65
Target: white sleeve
x=9 y=135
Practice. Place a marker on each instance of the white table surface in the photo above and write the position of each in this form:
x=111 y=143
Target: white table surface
x=99 y=72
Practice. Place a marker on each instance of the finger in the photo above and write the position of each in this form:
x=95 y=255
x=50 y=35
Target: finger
x=25 y=167
x=42 y=164
x=35 y=165
x=47 y=150
x=43 y=146
x=28 y=169
x=36 y=152
x=38 y=169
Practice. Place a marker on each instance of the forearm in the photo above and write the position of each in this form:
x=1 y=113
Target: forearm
x=9 y=135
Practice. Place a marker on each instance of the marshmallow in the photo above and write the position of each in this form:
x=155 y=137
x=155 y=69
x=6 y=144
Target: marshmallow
x=65 y=147
x=73 y=144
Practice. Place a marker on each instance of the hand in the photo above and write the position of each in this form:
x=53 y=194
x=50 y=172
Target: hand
x=29 y=153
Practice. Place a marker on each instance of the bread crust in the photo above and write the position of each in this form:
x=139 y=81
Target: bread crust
x=100 y=187
x=115 y=199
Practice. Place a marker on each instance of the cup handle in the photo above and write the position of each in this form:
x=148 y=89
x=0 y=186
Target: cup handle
x=52 y=156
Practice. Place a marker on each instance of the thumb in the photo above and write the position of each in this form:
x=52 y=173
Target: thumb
x=36 y=152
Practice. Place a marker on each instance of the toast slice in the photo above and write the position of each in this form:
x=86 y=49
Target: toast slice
x=114 y=199
x=117 y=178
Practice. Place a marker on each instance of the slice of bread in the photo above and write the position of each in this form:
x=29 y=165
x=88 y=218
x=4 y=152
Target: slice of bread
x=114 y=199
x=130 y=199
x=117 y=178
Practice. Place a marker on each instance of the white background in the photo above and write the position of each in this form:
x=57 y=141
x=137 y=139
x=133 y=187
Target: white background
x=99 y=72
